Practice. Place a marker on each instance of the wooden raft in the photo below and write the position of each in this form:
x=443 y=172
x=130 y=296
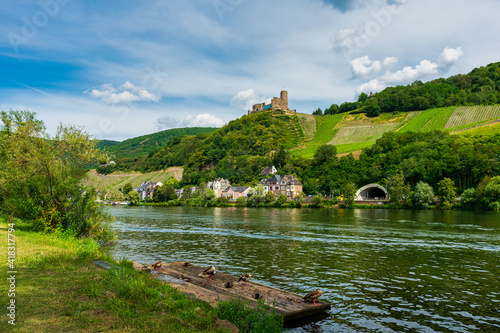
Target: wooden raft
x=289 y=305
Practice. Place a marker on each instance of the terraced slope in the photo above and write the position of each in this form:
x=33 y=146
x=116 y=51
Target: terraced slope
x=468 y=116
x=324 y=133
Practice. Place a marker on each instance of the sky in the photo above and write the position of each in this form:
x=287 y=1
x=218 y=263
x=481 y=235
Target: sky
x=122 y=69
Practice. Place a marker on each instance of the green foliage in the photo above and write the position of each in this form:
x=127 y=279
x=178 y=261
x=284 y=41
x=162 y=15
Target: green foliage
x=133 y=198
x=325 y=153
x=317 y=201
x=164 y=193
x=262 y=319
x=479 y=87
x=447 y=191
x=349 y=193
x=485 y=197
x=397 y=187
x=333 y=109
x=127 y=188
x=241 y=202
x=423 y=195
x=281 y=200
x=372 y=109
x=145 y=144
x=318 y=112
x=269 y=197
x=40 y=176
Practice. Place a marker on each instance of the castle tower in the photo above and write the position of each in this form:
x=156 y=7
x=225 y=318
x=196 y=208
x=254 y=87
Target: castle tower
x=284 y=99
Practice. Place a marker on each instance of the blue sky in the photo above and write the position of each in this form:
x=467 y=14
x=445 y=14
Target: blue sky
x=126 y=68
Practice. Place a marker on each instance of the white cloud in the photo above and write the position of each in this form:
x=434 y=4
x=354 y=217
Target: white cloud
x=126 y=93
x=201 y=120
x=244 y=100
x=389 y=61
x=406 y=75
x=410 y=74
x=363 y=66
x=450 y=56
x=372 y=86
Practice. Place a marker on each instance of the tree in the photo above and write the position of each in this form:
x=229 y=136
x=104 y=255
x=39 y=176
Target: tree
x=423 y=195
x=397 y=188
x=447 y=191
x=362 y=98
x=241 y=201
x=324 y=154
x=281 y=158
x=282 y=199
x=491 y=196
x=127 y=188
x=40 y=176
x=372 y=109
x=317 y=201
x=349 y=193
x=318 y=112
x=164 y=193
x=333 y=109
x=133 y=198
x=269 y=197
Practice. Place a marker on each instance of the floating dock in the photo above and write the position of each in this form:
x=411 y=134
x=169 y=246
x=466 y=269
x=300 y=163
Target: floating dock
x=291 y=306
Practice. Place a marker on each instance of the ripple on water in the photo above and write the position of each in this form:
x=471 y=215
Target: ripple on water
x=394 y=272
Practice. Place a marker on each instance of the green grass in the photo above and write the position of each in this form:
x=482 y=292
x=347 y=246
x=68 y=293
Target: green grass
x=482 y=131
x=240 y=312
x=346 y=148
x=59 y=289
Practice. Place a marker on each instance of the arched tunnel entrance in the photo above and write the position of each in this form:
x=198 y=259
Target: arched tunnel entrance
x=372 y=192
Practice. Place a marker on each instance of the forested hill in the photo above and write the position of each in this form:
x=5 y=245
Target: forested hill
x=145 y=144
x=306 y=145
x=480 y=87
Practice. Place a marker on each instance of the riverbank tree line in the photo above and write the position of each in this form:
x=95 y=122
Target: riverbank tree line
x=40 y=177
x=468 y=161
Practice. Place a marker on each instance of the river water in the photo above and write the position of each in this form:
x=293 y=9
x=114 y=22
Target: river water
x=382 y=270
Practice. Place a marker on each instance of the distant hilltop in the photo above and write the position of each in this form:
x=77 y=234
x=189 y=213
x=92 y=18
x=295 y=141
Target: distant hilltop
x=277 y=103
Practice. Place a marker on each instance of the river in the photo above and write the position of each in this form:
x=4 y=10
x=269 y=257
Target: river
x=382 y=270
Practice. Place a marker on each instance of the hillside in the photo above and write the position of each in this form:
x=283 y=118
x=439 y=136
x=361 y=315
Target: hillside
x=114 y=182
x=351 y=132
x=145 y=144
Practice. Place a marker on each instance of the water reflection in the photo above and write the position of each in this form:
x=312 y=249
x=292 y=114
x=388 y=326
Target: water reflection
x=382 y=270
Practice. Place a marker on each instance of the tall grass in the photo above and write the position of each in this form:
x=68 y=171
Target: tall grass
x=262 y=319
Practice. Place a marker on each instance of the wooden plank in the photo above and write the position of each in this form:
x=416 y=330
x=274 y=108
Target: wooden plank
x=288 y=304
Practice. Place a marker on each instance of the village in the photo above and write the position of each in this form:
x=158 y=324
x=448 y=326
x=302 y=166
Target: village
x=288 y=185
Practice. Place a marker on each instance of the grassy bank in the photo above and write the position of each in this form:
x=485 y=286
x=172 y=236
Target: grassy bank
x=59 y=289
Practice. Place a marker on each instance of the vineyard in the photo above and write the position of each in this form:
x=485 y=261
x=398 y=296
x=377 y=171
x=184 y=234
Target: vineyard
x=355 y=134
x=308 y=124
x=350 y=132
x=419 y=121
x=472 y=115
x=483 y=130
x=438 y=122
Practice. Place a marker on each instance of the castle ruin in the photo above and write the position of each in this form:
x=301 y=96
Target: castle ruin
x=277 y=103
